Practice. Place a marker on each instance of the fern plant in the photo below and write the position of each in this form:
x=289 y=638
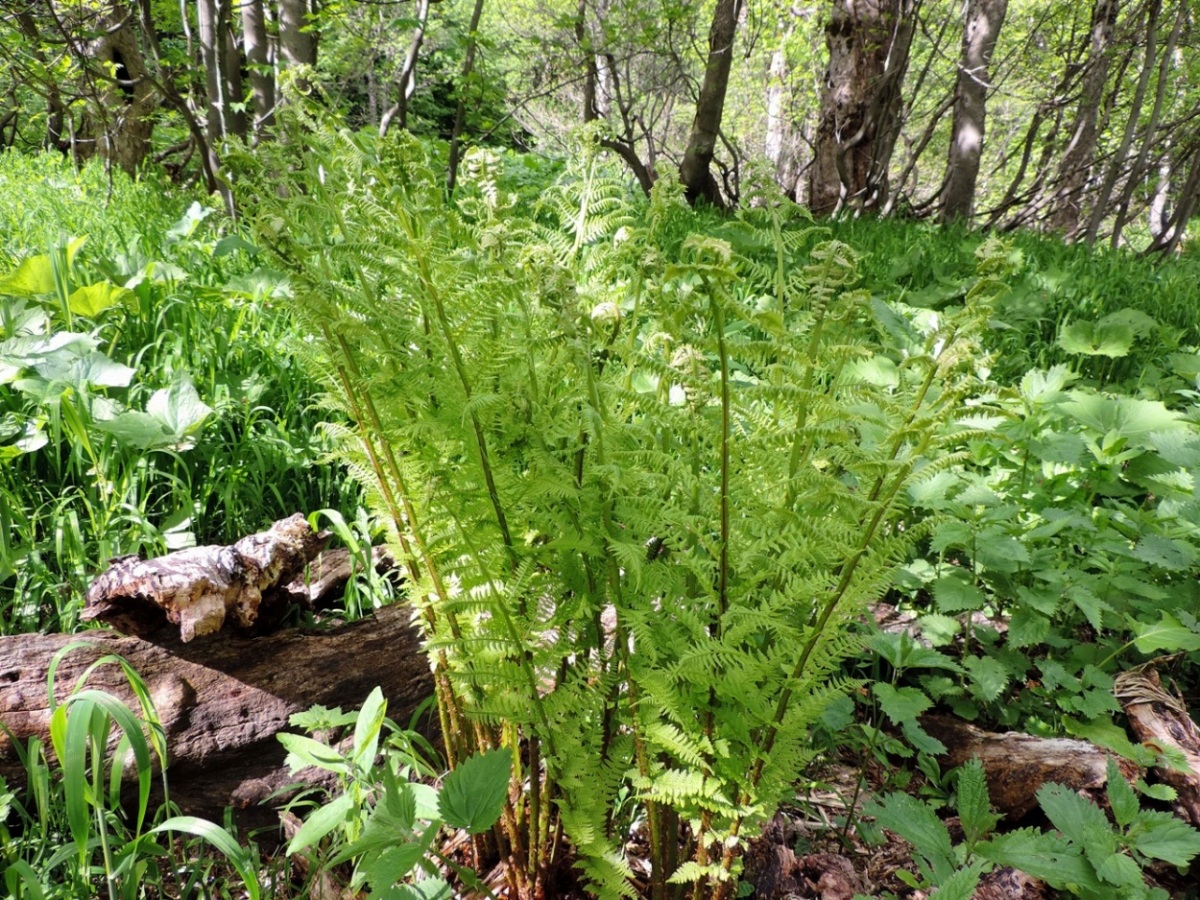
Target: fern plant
x=643 y=477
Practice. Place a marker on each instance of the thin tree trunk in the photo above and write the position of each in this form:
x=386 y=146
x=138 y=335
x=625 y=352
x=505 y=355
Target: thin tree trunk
x=258 y=61
x=460 y=111
x=695 y=171
x=407 y=81
x=1117 y=163
x=1169 y=240
x=1138 y=172
x=1077 y=162
x=214 y=118
x=230 y=60
x=984 y=19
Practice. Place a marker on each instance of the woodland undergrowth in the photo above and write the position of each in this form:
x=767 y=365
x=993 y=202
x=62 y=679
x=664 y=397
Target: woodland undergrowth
x=642 y=479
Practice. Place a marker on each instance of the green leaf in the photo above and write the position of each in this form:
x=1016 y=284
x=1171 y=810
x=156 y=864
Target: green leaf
x=94 y=299
x=1121 y=871
x=1167 y=634
x=219 y=838
x=1160 y=835
x=473 y=795
x=367 y=728
x=919 y=825
x=1074 y=816
x=974 y=805
x=1048 y=857
x=954 y=593
x=321 y=822
x=304 y=751
x=961 y=885
x=901 y=704
x=1121 y=797
x=34 y=276
x=1111 y=339
x=383 y=869
x=989 y=677
x=179 y=408
x=1128 y=417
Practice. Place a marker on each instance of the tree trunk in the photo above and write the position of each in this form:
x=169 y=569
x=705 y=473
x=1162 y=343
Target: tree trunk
x=222 y=702
x=868 y=43
x=297 y=41
x=1117 y=163
x=1076 y=168
x=1138 y=172
x=207 y=29
x=407 y=80
x=460 y=110
x=258 y=61
x=984 y=19
x=123 y=123
x=695 y=171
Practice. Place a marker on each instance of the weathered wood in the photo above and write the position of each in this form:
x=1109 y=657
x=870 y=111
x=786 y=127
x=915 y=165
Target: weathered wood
x=222 y=702
x=1018 y=764
x=200 y=588
x=1163 y=721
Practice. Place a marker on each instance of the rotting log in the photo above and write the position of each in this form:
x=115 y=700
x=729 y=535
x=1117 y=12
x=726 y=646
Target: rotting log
x=1163 y=721
x=1017 y=764
x=222 y=701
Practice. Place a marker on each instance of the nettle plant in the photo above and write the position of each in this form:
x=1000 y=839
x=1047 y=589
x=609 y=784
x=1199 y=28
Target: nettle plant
x=643 y=479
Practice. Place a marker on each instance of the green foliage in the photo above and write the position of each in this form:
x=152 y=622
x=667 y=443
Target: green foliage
x=147 y=395
x=380 y=819
x=1086 y=856
x=72 y=837
x=643 y=478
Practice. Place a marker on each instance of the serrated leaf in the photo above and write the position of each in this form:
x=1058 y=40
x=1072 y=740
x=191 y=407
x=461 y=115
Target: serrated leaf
x=1071 y=814
x=1120 y=871
x=1048 y=857
x=961 y=885
x=988 y=677
x=974 y=805
x=1160 y=835
x=918 y=824
x=901 y=704
x=954 y=593
x=1121 y=798
x=473 y=795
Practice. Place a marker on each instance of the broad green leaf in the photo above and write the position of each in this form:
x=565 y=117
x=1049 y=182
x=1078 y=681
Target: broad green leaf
x=1043 y=387
x=1174 y=556
x=1160 y=835
x=94 y=299
x=1120 y=871
x=1112 y=339
x=304 y=751
x=320 y=822
x=473 y=795
x=961 y=885
x=1071 y=814
x=179 y=408
x=1167 y=634
x=1140 y=323
x=901 y=704
x=367 y=727
x=34 y=276
x=988 y=675
x=1128 y=417
x=384 y=868
x=954 y=593
x=918 y=824
x=136 y=429
x=1043 y=855
x=1121 y=798
x=93 y=369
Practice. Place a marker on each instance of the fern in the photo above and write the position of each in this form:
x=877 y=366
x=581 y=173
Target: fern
x=640 y=474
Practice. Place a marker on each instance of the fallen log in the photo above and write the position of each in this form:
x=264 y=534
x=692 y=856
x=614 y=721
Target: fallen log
x=1163 y=722
x=222 y=702
x=1018 y=764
